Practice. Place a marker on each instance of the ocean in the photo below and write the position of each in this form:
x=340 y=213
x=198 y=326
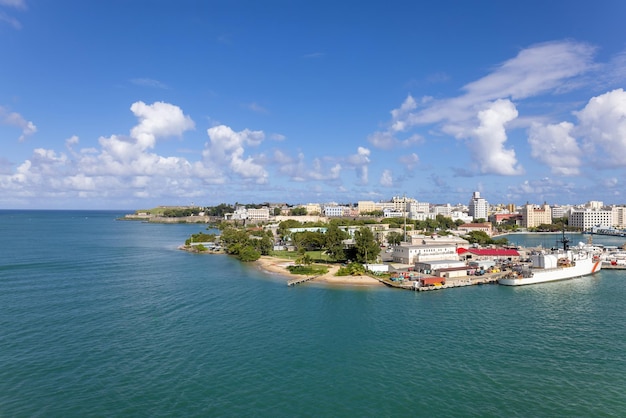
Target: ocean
x=103 y=318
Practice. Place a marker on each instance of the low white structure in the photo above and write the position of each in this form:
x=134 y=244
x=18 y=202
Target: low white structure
x=411 y=254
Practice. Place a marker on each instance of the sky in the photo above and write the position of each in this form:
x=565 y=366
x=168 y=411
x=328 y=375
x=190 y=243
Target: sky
x=132 y=104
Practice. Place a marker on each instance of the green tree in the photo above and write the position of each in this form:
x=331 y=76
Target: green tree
x=395 y=238
x=366 y=247
x=300 y=211
x=248 y=253
x=333 y=242
x=264 y=245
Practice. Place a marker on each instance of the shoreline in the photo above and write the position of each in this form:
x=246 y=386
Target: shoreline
x=276 y=265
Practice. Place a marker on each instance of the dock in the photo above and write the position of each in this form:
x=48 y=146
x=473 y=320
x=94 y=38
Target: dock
x=299 y=280
x=450 y=283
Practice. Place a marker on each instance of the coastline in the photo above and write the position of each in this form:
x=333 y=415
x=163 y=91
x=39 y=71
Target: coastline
x=276 y=265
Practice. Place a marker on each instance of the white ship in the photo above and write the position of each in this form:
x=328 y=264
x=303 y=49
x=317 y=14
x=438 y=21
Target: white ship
x=555 y=265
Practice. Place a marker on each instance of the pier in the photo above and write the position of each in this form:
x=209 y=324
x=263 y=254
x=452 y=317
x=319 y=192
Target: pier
x=299 y=280
x=449 y=283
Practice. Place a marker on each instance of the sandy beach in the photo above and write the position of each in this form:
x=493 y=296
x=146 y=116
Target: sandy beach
x=279 y=266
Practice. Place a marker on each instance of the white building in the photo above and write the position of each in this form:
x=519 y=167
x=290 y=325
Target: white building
x=619 y=216
x=261 y=214
x=478 y=207
x=411 y=254
x=333 y=211
x=587 y=218
x=557 y=211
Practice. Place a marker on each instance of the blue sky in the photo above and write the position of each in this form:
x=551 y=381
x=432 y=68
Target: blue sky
x=138 y=103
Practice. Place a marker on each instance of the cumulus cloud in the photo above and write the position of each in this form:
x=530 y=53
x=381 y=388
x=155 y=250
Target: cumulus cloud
x=15 y=119
x=158 y=120
x=297 y=169
x=602 y=123
x=488 y=140
x=546 y=68
x=555 y=146
x=227 y=147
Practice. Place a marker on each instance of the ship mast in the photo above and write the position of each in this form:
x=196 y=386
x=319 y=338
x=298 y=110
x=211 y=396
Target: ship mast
x=564 y=240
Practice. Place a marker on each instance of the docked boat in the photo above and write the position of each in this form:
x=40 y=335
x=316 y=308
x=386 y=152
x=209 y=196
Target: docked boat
x=559 y=264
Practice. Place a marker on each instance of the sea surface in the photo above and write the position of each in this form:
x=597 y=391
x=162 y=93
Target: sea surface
x=103 y=318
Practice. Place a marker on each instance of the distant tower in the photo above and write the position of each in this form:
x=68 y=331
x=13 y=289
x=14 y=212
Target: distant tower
x=478 y=207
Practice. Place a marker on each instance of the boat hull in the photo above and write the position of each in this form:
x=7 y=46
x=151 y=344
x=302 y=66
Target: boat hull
x=582 y=268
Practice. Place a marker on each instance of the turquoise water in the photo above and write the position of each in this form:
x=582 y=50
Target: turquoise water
x=100 y=317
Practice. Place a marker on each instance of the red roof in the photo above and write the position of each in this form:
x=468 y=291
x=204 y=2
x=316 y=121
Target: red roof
x=489 y=252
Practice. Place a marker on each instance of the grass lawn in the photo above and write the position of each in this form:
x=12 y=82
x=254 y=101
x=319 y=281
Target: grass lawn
x=316 y=256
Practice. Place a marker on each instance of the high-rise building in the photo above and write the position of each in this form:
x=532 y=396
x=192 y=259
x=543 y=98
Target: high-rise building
x=478 y=207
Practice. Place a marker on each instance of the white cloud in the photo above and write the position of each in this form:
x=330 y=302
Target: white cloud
x=360 y=162
x=386 y=179
x=158 y=120
x=10 y=20
x=15 y=119
x=488 y=139
x=18 y=4
x=546 y=68
x=226 y=148
x=298 y=170
x=535 y=70
x=555 y=146
x=602 y=123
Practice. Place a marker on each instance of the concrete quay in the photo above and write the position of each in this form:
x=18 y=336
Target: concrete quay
x=450 y=283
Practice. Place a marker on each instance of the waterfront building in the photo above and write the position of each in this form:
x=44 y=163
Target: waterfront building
x=557 y=212
x=619 y=216
x=411 y=254
x=534 y=215
x=588 y=218
x=478 y=207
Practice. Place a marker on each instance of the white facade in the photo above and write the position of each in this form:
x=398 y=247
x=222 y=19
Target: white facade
x=333 y=211
x=557 y=211
x=411 y=254
x=392 y=213
x=421 y=216
x=588 y=218
x=261 y=214
x=619 y=216
x=478 y=207
x=445 y=210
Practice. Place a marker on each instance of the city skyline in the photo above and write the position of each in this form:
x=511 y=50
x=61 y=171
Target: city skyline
x=128 y=105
